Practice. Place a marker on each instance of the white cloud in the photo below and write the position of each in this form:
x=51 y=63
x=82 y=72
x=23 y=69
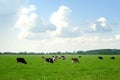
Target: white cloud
x=102 y=22
x=101 y=19
x=31 y=24
x=110 y=39
x=60 y=31
x=60 y=18
x=27 y=10
x=100 y=26
x=70 y=44
x=117 y=37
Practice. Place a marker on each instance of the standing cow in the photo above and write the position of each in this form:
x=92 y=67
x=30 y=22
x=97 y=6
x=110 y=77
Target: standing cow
x=74 y=60
x=21 y=60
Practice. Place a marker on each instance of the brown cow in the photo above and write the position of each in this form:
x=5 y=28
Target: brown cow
x=43 y=57
x=74 y=60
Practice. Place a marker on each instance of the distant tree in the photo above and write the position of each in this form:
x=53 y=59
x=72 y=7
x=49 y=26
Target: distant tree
x=80 y=52
x=89 y=52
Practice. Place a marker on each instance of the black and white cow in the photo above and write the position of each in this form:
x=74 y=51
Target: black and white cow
x=49 y=60
x=54 y=58
x=21 y=60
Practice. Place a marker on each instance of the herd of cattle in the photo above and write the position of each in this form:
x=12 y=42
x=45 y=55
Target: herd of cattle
x=54 y=58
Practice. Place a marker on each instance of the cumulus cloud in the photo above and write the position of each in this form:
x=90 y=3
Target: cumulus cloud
x=60 y=18
x=100 y=25
x=31 y=24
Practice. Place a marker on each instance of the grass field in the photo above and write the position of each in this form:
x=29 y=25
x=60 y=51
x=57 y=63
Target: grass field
x=89 y=68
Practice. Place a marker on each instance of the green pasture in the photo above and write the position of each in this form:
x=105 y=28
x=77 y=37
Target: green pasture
x=89 y=68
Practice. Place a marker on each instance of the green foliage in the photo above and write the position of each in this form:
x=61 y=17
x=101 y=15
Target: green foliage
x=89 y=52
x=89 y=68
x=104 y=52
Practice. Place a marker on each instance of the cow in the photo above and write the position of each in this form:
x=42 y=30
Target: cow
x=59 y=57
x=64 y=58
x=100 y=57
x=79 y=56
x=43 y=57
x=21 y=60
x=74 y=60
x=112 y=57
x=55 y=58
x=49 y=60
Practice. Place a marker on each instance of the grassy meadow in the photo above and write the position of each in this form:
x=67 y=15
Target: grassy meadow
x=89 y=68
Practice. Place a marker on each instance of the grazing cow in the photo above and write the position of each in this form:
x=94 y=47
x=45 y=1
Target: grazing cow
x=43 y=57
x=55 y=58
x=49 y=60
x=112 y=57
x=59 y=57
x=64 y=58
x=74 y=60
x=100 y=57
x=21 y=60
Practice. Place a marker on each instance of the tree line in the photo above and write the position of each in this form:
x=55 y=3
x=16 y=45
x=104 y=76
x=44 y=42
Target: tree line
x=89 y=52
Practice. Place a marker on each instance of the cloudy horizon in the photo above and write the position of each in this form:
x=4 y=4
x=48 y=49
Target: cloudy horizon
x=51 y=26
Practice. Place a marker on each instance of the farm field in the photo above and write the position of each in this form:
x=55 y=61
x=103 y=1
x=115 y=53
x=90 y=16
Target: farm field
x=89 y=68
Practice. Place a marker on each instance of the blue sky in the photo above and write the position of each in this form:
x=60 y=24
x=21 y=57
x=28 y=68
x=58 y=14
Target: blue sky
x=59 y=25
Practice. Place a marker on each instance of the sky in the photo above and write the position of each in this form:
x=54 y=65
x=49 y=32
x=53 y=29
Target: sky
x=59 y=25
